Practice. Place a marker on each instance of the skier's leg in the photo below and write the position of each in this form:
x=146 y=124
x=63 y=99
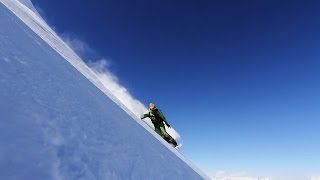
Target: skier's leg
x=174 y=142
x=167 y=136
x=163 y=131
x=158 y=131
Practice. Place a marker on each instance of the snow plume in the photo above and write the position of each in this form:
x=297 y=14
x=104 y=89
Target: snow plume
x=100 y=68
x=29 y=4
x=78 y=45
x=223 y=175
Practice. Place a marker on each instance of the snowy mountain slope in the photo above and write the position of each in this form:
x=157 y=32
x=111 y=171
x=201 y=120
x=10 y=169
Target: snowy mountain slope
x=39 y=26
x=29 y=4
x=57 y=125
x=32 y=19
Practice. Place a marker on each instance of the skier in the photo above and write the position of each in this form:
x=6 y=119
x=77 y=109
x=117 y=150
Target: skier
x=158 y=120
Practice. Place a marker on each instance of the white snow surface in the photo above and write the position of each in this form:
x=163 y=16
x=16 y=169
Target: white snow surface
x=32 y=19
x=55 y=124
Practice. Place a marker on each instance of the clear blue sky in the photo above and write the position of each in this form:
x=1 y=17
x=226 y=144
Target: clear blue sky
x=239 y=80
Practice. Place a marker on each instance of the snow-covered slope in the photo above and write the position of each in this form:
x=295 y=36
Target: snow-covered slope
x=32 y=19
x=56 y=120
x=29 y=5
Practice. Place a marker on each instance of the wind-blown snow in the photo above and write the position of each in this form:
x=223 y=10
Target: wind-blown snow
x=29 y=5
x=55 y=124
x=108 y=80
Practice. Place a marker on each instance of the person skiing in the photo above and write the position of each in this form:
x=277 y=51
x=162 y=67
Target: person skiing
x=158 y=120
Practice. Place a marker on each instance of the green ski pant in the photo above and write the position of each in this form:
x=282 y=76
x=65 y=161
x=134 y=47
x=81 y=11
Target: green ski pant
x=161 y=130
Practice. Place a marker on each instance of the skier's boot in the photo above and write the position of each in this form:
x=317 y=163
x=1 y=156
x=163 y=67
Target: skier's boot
x=174 y=142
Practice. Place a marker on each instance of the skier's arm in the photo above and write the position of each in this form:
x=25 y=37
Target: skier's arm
x=145 y=115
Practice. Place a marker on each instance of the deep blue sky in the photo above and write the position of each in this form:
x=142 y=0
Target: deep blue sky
x=239 y=80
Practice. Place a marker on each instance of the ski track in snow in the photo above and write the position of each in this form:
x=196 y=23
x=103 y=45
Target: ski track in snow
x=32 y=19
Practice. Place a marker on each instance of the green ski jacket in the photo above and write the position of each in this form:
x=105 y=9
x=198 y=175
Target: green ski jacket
x=156 y=116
